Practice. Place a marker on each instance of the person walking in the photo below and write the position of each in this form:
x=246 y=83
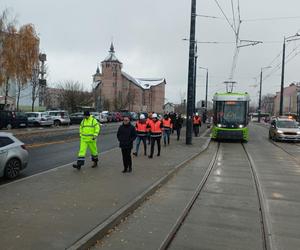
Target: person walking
x=148 y=120
x=196 y=124
x=155 y=127
x=141 y=129
x=178 y=125
x=167 y=126
x=173 y=116
x=89 y=130
x=126 y=135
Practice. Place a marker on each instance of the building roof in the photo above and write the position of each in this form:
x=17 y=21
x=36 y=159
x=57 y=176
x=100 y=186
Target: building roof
x=111 y=57
x=144 y=83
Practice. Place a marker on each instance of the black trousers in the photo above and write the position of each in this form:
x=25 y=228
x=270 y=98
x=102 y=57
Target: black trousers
x=196 y=130
x=127 y=162
x=178 y=130
x=153 y=140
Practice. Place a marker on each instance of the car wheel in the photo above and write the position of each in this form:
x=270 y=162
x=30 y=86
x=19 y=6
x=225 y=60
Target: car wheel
x=9 y=126
x=57 y=123
x=12 y=169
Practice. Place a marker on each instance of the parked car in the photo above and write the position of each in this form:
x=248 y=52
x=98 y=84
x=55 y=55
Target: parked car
x=134 y=116
x=284 y=129
x=76 y=118
x=119 y=116
x=60 y=117
x=13 y=156
x=12 y=119
x=39 y=119
x=100 y=117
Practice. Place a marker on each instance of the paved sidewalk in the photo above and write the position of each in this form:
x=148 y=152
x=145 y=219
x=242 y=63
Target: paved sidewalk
x=53 y=210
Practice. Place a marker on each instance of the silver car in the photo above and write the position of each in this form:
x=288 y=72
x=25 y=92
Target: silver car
x=39 y=119
x=60 y=117
x=284 y=129
x=13 y=156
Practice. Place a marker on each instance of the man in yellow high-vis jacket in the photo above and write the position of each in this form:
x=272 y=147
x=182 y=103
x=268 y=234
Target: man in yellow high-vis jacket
x=89 y=131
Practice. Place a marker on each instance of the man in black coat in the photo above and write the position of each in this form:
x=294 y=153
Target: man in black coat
x=126 y=136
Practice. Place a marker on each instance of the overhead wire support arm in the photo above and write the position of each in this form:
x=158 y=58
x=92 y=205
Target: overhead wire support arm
x=250 y=43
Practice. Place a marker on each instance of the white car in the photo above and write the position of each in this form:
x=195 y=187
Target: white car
x=13 y=156
x=39 y=119
x=100 y=117
x=60 y=117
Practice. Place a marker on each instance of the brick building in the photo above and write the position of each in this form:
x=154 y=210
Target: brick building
x=290 y=99
x=117 y=90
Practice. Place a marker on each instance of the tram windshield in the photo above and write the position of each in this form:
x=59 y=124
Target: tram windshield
x=231 y=113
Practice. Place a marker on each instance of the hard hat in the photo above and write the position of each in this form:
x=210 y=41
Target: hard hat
x=154 y=115
x=142 y=116
x=197 y=114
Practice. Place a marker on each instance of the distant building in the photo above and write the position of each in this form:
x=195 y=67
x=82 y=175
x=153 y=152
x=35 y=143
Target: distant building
x=53 y=98
x=290 y=99
x=117 y=90
x=169 y=107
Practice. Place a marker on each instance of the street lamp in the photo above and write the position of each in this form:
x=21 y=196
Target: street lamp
x=285 y=39
x=206 y=88
x=260 y=87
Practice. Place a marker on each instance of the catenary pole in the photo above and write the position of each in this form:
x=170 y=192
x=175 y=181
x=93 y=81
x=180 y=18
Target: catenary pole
x=259 y=99
x=282 y=79
x=190 y=92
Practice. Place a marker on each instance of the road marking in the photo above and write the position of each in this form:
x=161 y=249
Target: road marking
x=51 y=170
x=50 y=143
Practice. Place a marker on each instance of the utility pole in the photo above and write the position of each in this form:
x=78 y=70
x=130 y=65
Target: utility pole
x=282 y=79
x=190 y=89
x=206 y=89
x=259 y=100
x=195 y=78
x=260 y=89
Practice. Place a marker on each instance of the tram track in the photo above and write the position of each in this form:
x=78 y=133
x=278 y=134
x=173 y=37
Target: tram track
x=262 y=206
x=285 y=150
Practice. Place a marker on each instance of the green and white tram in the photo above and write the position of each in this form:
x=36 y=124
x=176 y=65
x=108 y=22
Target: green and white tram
x=231 y=116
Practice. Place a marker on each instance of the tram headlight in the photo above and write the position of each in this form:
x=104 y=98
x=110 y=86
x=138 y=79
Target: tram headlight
x=279 y=132
x=241 y=126
x=219 y=125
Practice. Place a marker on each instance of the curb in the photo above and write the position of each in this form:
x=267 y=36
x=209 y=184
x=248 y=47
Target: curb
x=101 y=230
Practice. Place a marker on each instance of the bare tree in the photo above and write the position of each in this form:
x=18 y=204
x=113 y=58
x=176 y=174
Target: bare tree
x=73 y=96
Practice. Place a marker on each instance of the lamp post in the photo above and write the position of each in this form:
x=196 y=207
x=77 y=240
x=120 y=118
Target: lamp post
x=206 y=93
x=285 y=39
x=206 y=86
x=260 y=88
x=190 y=89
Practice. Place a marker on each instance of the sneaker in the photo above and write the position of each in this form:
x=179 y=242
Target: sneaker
x=158 y=154
x=130 y=170
x=124 y=171
x=135 y=153
x=150 y=156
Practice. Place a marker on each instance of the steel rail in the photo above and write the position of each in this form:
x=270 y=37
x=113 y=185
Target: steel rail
x=263 y=206
x=180 y=220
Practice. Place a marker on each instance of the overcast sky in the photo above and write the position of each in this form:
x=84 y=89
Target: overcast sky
x=148 y=35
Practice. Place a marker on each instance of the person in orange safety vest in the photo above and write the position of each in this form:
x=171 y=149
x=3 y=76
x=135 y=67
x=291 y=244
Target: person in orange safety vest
x=167 y=127
x=155 y=127
x=142 y=132
x=196 y=124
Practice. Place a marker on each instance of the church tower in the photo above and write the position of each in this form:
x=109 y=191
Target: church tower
x=111 y=78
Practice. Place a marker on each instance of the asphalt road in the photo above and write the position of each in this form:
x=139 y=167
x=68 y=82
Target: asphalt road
x=59 y=153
